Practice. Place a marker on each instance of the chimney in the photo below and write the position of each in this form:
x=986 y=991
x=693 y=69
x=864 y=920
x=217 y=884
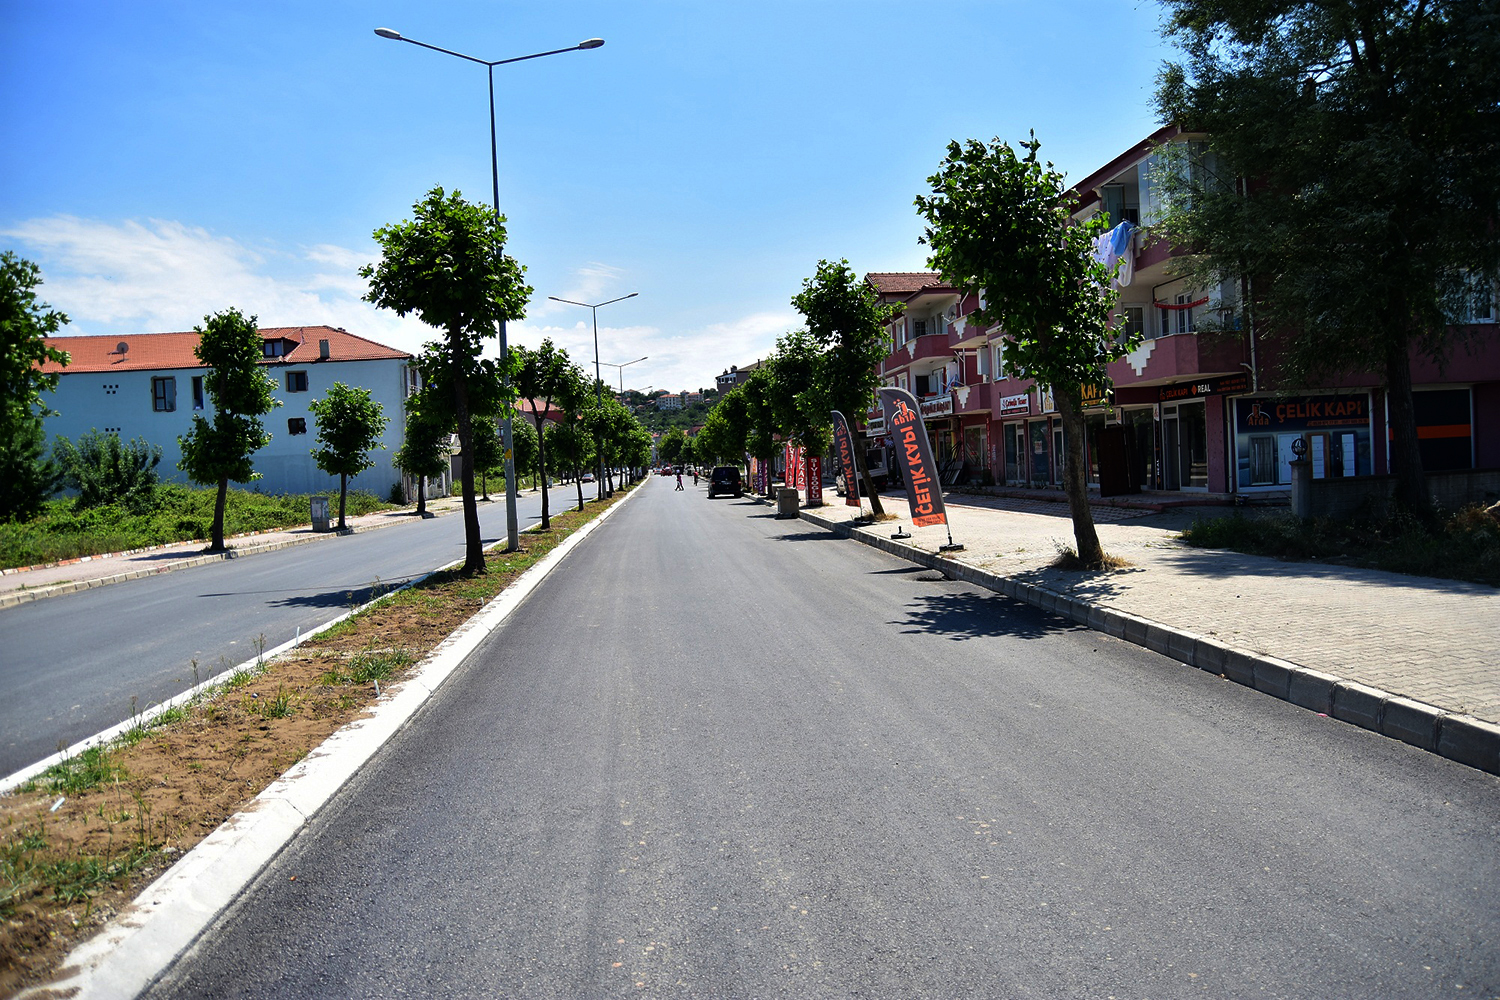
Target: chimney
x=322 y=350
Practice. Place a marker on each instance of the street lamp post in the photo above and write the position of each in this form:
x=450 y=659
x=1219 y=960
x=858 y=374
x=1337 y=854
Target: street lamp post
x=611 y=364
x=512 y=526
x=598 y=381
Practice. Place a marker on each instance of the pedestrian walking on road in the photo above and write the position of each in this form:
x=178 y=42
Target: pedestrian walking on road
x=679 y=479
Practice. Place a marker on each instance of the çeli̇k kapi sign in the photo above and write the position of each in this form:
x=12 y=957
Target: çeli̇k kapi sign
x=903 y=421
x=843 y=444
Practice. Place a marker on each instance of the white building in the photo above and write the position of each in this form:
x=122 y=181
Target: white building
x=151 y=385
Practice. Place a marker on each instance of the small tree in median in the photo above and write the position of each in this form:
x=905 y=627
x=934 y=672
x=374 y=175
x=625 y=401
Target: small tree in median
x=545 y=375
x=424 y=448
x=1001 y=225
x=213 y=453
x=446 y=265
x=349 y=423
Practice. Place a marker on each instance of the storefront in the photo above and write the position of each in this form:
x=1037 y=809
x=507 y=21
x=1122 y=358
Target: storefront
x=1337 y=428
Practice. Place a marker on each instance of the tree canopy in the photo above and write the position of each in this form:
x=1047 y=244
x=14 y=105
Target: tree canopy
x=545 y=375
x=239 y=393
x=1350 y=168
x=349 y=425
x=1000 y=227
x=446 y=266
x=26 y=476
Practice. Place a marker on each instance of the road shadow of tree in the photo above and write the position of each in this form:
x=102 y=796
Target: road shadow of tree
x=968 y=615
x=808 y=536
x=338 y=597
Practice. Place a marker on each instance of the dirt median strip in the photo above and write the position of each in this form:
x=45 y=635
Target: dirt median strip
x=224 y=783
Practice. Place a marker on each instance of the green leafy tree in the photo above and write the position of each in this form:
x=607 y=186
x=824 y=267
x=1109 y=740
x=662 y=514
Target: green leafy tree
x=1001 y=224
x=846 y=320
x=527 y=450
x=544 y=376
x=105 y=470
x=26 y=474
x=572 y=448
x=239 y=393
x=350 y=424
x=424 y=446
x=638 y=450
x=1369 y=137
x=795 y=402
x=671 y=444
x=489 y=455
x=446 y=266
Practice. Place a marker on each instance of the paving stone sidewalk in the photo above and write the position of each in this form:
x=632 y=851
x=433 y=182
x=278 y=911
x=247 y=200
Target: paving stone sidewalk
x=1433 y=641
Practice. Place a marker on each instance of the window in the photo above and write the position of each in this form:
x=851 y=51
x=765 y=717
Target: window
x=163 y=394
x=919 y=328
x=1133 y=320
x=1000 y=360
x=296 y=425
x=296 y=381
x=197 y=392
x=273 y=348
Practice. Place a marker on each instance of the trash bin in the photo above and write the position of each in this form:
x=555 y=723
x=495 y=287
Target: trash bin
x=320 y=513
x=787 y=502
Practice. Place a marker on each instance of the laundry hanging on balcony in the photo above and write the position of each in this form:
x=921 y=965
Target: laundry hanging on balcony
x=1117 y=247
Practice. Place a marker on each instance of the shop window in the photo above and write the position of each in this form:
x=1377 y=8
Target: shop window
x=1262 y=460
x=296 y=425
x=296 y=381
x=164 y=394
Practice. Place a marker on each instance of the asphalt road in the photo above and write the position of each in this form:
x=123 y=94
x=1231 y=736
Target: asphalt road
x=719 y=755
x=76 y=664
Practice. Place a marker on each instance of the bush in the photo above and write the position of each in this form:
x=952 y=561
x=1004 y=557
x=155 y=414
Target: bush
x=176 y=513
x=105 y=470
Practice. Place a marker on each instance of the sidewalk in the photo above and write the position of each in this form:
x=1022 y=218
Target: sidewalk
x=1413 y=657
x=20 y=585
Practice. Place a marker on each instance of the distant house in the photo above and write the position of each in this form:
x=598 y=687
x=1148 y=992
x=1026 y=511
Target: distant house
x=151 y=385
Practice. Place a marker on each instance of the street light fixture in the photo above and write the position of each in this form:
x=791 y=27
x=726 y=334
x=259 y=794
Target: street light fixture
x=512 y=525
x=611 y=364
x=598 y=381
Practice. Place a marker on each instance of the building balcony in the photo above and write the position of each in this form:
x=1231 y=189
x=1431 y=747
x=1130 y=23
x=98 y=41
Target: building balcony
x=978 y=398
x=1178 y=356
x=931 y=345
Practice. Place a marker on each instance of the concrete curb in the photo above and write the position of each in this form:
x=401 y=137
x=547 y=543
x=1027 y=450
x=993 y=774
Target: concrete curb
x=1458 y=737
x=139 y=945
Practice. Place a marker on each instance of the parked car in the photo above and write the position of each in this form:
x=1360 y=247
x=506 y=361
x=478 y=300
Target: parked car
x=725 y=479
x=588 y=477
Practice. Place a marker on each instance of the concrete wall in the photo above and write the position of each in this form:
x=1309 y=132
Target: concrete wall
x=122 y=402
x=1343 y=497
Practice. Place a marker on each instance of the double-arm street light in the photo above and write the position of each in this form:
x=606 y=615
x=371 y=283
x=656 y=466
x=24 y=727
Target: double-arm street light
x=598 y=381
x=512 y=526
x=611 y=364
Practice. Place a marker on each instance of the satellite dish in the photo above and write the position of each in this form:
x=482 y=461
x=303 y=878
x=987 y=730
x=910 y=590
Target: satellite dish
x=122 y=348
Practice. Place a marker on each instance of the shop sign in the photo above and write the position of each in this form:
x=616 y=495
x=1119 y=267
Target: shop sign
x=1019 y=403
x=1303 y=413
x=875 y=425
x=1229 y=385
x=1049 y=405
x=1095 y=395
x=942 y=406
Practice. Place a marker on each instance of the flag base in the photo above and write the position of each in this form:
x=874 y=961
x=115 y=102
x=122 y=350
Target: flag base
x=901 y=534
x=954 y=547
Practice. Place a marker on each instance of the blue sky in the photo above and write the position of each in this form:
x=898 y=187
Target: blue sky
x=162 y=160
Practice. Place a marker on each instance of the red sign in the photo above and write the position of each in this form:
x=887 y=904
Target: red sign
x=923 y=492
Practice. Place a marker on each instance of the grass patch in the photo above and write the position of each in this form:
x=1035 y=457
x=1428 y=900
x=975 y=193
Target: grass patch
x=1461 y=546
x=1068 y=559
x=177 y=513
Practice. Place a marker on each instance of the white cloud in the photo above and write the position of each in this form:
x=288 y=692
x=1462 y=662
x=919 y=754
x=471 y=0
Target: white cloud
x=117 y=279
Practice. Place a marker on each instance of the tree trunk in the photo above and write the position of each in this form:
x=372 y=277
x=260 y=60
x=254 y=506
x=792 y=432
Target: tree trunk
x=578 y=479
x=1075 y=479
x=868 y=484
x=216 y=543
x=1406 y=455
x=343 y=493
x=473 y=542
x=421 y=496
x=541 y=464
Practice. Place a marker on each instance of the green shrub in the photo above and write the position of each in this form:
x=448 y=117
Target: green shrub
x=103 y=469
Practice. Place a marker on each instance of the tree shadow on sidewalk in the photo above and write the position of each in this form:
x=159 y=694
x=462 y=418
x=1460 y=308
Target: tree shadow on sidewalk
x=967 y=615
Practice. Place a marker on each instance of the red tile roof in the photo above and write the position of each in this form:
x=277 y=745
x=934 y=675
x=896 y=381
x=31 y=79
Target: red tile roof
x=904 y=282
x=155 y=351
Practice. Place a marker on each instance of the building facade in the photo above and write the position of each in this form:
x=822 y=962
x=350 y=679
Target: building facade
x=152 y=385
x=1195 y=408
